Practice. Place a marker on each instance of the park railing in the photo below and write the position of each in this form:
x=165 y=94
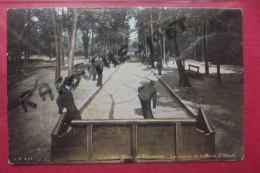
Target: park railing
x=135 y=140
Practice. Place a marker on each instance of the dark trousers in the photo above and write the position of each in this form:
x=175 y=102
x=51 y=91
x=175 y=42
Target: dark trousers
x=69 y=116
x=94 y=77
x=147 y=110
x=99 y=81
x=66 y=123
x=159 y=71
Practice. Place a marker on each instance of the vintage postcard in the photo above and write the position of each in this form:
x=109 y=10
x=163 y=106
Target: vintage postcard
x=124 y=85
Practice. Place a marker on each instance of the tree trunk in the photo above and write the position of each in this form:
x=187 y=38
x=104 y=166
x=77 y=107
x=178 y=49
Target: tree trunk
x=51 y=54
x=105 y=46
x=180 y=48
x=27 y=35
x=194 y=46
x=114 y=51
x=202 y=43
x=56 y=37
x=145 y=43
x=85 y=39
x=18 y=58
x=162 y=41
x=163 y=47
x=160 y=47
x=61 y=41
x=18 y=49
x=102 y=46
x=110 y=45
x=205 y=38
x=26 y=55
x=218 y=64
x=73 y=42
x=218 y=56
x=218 y=72
x=184 y=81
x=151 y=46
x=68 y=43
x=61 y=47
x=92 y=39
x=12 y=64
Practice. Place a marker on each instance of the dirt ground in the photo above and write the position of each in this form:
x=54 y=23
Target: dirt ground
x=223 y=103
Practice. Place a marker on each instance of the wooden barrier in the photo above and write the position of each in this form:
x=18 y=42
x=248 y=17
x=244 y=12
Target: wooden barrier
x=134 y=141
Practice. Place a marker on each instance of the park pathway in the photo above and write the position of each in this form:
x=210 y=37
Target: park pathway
x=118 y=98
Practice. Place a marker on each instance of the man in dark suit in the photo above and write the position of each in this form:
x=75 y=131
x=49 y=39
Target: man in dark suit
x=146 y=93
x=99 y=68
x=93 y=68
x=159 y=66
x=66 y=100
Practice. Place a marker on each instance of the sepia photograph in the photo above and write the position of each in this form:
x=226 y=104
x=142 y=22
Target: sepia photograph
x=124 y=85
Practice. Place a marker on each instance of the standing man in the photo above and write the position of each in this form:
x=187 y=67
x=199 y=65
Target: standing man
x=66 y=100
x=167 y=58
x=146 y=93
x=159 y=66
x=99 y=69
x=93 y=68
x=112 y=58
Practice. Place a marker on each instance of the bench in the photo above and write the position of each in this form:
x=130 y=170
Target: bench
x=79 y=68
x=193 y=73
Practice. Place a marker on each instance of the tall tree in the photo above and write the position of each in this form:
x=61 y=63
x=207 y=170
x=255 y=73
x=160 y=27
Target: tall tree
x=151 y=44
x=72 y=42
x=57 y=44
x=61 y=39
x=16 y=28
x=85 y=23
x=27 y=34
x=172 y=34
x=205 y=48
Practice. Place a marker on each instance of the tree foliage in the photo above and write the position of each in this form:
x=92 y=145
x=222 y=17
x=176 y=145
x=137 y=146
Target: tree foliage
x=213 y=35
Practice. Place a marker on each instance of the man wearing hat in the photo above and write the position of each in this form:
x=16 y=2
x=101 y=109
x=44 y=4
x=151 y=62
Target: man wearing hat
x=99 y=68
x=66 y=100
x=146 y=93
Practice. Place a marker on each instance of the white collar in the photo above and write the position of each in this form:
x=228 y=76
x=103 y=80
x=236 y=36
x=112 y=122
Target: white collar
x=67 y=87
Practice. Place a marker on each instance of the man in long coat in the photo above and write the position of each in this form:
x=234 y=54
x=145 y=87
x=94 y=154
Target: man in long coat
x=146 y=93
x=93 y=68
x=66 y=100
x=99 y=69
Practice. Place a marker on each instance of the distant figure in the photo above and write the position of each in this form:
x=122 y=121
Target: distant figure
x=123 y=59
x=93 y=68
x=146 y=93
x=173 y=60
x=105 y=62
x=159 y=66
x=66 y=100
x=167 y=58
x=112 y=58
x=99 y=69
